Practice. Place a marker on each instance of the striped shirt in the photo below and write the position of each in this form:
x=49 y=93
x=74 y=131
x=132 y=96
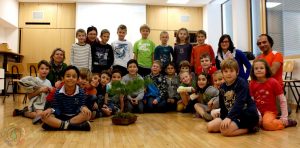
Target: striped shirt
x=68 y=105
x=81 y=56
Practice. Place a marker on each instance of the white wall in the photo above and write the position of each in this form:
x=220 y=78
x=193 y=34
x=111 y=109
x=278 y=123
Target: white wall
x=110 y=16
x=9 y=10
x=212 y=23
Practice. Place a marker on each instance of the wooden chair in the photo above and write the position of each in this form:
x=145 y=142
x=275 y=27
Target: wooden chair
x=290 y=82
x=13 y=74
x=32 y=69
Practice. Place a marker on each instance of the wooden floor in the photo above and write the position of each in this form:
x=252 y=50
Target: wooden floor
x=150 y=130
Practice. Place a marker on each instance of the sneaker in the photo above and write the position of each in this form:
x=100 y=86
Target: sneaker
x=85 y=126
x=36 y=120
x=17 y=112
x=291 y=123
x=48 y=127
x=207 y=117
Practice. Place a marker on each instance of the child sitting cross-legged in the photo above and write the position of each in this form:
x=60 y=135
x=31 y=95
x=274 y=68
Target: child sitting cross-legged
x=156 y=93
x=265 y=90
x=89 y=82
x=173 y=83
x=115 y=102
x=238 y=111
x=208 y=97
x=68 y=110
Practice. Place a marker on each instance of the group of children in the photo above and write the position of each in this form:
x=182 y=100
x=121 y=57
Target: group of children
x=218 y=96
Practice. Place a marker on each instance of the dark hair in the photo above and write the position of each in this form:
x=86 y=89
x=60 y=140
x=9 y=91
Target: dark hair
x=185 y=63
x=201 y=32
x=208 y=80
x=116 y=71
x=231 y=45
x=54 y=51
x=44 y=62
x=105 y=72
x=268 y=69
x=85 y=74
x=145 y=26
x=104 y=31
x=71 y=67
x=131 y=62
x=269 y=38
x=89 y=29
x=122 y=27
x=205 y=55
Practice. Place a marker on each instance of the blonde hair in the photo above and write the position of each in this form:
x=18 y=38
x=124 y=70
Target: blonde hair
x=158 y=62
x=217 y=73
x=187 y=40
x=163 y=32
x=230 y=63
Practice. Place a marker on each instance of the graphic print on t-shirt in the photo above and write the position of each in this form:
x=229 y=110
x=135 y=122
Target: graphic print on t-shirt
x=120 y=50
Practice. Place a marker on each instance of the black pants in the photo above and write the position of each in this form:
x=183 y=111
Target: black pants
x=144 y=71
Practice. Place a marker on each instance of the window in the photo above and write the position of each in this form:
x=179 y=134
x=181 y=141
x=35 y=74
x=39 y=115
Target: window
x=255 y=25
x=283 y=25
x=227 y=18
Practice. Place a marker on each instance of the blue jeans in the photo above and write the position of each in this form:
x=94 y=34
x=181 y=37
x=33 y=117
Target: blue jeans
x=159 y=107
x=137 y=108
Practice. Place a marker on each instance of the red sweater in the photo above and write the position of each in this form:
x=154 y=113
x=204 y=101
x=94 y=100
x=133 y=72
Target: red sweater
x=197 y=51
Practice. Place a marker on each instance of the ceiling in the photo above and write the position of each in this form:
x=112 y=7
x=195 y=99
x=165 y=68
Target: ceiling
x=193 y=3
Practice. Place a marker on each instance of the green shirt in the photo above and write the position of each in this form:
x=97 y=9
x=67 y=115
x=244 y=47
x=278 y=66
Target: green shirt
x=144 y=49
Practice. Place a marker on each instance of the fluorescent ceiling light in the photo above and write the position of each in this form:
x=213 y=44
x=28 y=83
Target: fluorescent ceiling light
x=177 y=1
x=272 y=4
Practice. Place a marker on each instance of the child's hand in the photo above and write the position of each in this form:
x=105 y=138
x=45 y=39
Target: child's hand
x=284 y=120
x=86 y=111
x=155 y=101
x=46 y=113
x=215 y=113
x=44 y=89
x=225 y=123
x=95 y=106
x=57 y=84
x=170 y=100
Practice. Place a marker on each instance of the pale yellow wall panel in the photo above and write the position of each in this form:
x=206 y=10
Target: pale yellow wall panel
x=157 y=17
x=66 y=16
x=38 y=44
x=187 y=17
x=49 y=15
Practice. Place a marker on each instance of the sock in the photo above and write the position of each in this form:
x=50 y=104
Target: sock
x=66 y=124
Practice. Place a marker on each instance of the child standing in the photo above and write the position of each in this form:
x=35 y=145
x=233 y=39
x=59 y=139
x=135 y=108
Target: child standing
x=81 y=51
x=265 y=90
x=102 y=54
x=201 y=49
x=208 y=97
x=238 y=111
x=183 y=48
x=135 y=100
x=122 y=50
x=116 y=102
x=206 y=66
x=173 y=84
x=143 y=51
x=164 y=51
x=68 y=106
x=156 y=103
x=38 y=96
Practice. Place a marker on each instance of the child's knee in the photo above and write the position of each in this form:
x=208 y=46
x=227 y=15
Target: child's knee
x=180 y=107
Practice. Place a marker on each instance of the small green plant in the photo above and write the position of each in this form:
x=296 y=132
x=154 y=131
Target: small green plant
x=119 y=88
x=124 y=115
